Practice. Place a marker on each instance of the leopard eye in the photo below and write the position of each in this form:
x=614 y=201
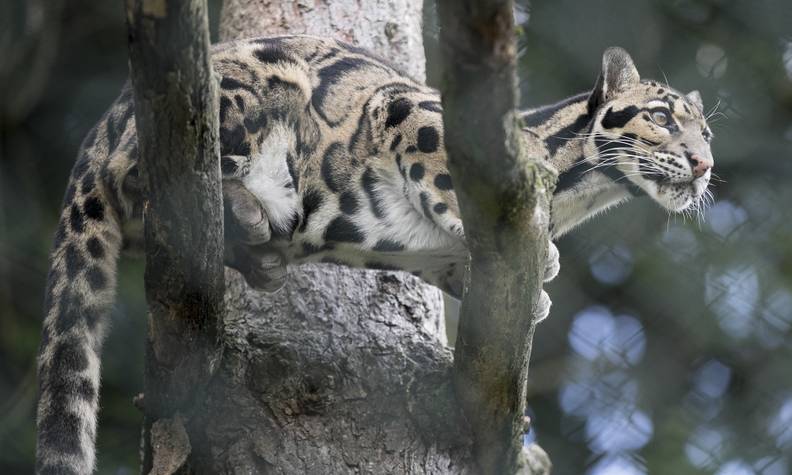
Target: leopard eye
x=661 y=118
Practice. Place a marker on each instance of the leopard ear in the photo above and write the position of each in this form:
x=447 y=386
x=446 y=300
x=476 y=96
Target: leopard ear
x=694 y=97
x=618 y=73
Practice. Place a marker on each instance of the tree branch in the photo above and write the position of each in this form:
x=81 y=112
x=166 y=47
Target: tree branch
x=504 y=198
x=177 y=125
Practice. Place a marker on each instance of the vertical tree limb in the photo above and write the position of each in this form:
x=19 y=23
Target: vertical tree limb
x=504 y=197
x=176 y=107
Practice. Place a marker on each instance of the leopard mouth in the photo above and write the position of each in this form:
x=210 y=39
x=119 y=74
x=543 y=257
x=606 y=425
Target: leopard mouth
x=666 y=186
x=680 y=196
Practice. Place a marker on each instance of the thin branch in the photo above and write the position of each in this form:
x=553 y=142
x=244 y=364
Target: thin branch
x=176 y=116
x=504 y=197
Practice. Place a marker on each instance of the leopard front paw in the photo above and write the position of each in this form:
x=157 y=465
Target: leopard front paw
x=552 y=266
x=543 y=307
x=264 y=269
x=246 y=220
x=267 y=271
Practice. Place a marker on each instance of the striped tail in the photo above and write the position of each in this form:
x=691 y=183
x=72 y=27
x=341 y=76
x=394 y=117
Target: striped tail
x=80 y=293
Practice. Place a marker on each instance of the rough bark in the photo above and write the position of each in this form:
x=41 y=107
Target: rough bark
x=342 y=371
x=176 y=116
x=504 y=197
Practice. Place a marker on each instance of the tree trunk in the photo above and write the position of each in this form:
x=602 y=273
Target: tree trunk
x=176 y=105
x=341 y=371
x=504 y=196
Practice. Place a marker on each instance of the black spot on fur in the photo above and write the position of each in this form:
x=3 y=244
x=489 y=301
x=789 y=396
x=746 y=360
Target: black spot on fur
x=369 y=182
x=440 y=208
x=431 y=106
x=312 y=200
x=329 y=76
x=443 y=181
x=334 y=153
x=256 y=123
x=240 y=103
x=342 y=230
x=225 y=103
x=91 y=317
x=396 y=141
x=417 y=171
x=76 y=219
x=228 y=165
x=292 y=173
x=68 y=313
x=232 y=141
x=54 y=426
x=272 y=54
x=309 y=249
x=386 y=245
x=96 y=278
x=399 y=166
x=411 y=149
x=95 y=248
x=69 y=357
x=88 y=183
x=86 y=390
x=398 y=110
x=229 y=83
x=425 y=205
x=618 y=119
x=348 y=202
x=428 y=139
x=116 y=125
x=74 y=261
x=276 y=82
x=94 y=208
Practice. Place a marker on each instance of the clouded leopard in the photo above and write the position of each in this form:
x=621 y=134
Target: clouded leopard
x=330 y=154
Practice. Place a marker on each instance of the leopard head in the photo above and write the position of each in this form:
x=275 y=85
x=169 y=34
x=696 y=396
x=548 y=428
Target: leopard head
x=650 y=136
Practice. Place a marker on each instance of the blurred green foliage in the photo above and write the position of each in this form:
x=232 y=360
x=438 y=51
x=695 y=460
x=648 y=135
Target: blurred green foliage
x=668 y=349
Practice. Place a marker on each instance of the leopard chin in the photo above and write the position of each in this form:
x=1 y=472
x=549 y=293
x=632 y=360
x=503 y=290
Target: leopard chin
x=677 y=197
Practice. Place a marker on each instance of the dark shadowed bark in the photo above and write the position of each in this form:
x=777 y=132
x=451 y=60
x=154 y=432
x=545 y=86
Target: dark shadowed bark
x=504 y=199
x=177 y=127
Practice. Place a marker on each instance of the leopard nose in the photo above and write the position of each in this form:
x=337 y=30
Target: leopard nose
x=699 y=165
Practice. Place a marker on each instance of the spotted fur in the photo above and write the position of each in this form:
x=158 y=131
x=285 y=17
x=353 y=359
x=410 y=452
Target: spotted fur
x=330 y=154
